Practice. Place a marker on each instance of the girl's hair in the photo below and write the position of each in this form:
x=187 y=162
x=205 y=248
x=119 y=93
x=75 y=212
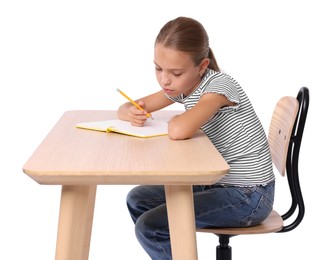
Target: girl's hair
x=188 y=35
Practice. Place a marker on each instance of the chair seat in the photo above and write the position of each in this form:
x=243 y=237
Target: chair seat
x=272 y=223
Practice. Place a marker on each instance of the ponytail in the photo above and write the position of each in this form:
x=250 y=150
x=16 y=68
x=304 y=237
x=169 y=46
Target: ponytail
x=213 y=64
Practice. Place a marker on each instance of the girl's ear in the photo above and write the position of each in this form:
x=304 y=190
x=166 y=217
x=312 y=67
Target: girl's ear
x=203 y=66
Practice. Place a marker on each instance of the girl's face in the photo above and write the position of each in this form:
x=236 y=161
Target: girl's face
x=176 y=72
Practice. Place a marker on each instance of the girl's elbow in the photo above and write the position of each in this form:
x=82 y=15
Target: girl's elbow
x=177 y=133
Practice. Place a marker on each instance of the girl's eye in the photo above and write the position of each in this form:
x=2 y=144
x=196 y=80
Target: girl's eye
x=177 y=74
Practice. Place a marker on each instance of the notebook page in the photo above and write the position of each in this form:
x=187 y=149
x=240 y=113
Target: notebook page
x=150 y=128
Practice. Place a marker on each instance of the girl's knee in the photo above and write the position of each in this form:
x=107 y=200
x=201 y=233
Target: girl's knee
x=143 y=228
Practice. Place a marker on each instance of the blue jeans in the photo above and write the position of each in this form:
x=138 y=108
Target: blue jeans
x=215 y=206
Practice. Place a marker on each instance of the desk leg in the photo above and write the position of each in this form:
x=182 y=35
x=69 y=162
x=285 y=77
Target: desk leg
x=180 y=206
x=75 y=222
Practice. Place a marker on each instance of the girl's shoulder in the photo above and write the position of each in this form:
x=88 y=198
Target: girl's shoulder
x=211 y=75
x=218 y=79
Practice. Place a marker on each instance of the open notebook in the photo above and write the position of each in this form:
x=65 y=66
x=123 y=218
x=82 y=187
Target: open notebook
x=150 y=129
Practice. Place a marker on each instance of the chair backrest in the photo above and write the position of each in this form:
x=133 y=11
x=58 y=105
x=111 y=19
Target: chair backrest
x=280 y=131
x=285 y=135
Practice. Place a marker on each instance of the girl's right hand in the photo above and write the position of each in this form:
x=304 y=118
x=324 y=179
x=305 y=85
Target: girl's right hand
x=137 y=117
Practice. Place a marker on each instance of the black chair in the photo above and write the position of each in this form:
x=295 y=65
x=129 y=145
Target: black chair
x=285 y=135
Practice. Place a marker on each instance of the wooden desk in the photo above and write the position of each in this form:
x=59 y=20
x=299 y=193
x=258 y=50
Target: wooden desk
x=81 y=159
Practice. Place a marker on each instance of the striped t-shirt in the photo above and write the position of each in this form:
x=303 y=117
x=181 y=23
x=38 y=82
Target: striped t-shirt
x=235 y=131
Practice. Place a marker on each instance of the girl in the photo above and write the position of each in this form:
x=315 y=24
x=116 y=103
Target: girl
x=188 y=73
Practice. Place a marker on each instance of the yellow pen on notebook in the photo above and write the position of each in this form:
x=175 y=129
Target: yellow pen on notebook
x=133 y=102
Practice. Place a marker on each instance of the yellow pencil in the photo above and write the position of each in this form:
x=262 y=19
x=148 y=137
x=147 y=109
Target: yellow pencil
x=134 y=103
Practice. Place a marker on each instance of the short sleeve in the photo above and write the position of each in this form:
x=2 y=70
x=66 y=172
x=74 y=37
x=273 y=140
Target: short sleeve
x=227 y=86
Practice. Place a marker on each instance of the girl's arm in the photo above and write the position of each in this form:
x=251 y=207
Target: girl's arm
x=151 y=103
x=185 y=125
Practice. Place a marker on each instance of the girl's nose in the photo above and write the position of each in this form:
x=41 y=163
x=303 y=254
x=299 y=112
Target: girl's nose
x=165 y=79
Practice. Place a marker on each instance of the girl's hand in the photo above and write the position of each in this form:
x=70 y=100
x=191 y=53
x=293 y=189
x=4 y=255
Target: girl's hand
x=137 y=117
x=128 y=112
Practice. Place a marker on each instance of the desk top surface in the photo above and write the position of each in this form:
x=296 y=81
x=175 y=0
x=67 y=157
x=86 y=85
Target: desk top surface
x=73 y=156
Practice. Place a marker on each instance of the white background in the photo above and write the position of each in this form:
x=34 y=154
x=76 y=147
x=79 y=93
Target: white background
x=66 y=55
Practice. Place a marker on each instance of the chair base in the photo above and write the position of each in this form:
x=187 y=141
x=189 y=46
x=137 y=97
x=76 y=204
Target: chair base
x=223 y=251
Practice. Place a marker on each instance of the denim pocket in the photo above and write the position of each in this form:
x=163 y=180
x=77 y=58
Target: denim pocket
x=260 y=203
